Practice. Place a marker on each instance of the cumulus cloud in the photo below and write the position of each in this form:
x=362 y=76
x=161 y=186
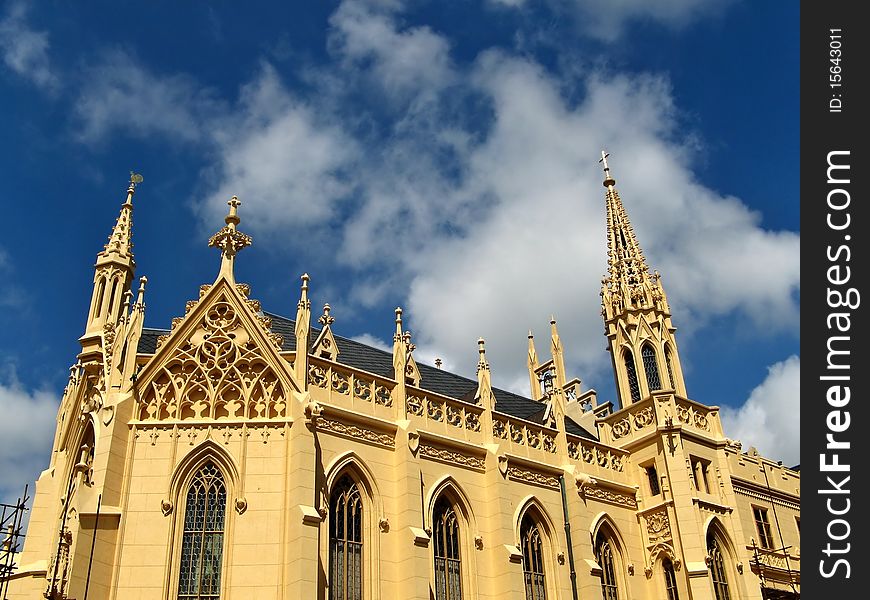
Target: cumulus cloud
x=770 y=417
x=25 y=50
x=281 y=155
x=124 y=95
x=24 y=451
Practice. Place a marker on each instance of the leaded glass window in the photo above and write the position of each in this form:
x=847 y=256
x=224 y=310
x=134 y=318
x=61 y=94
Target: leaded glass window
x=717 y=568
x=345 y=541
x=607 y=562
x=670 y=579
x=651 y=367
x=762 y=524
x=533 y=560
x=202 y=543
x=670 y=367
x=448 y=562
x=630 y=371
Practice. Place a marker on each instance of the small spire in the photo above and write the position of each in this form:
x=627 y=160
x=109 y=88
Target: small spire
x=229 y=240
x=609 y=181
x=303 y=298
x=120 y=240
x=398 y=335
x=438 y=363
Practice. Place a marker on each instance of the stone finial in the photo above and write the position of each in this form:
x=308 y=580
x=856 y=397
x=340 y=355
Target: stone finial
x=229 y=239
x=326 y=319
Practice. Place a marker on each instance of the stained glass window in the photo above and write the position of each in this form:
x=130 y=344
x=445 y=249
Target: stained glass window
x=448 y=562
x=651 y=367
x=345 y=541
x=203 y=539
x=717 y=568
x=533 y=560
x=604 y=554
x=632 y=376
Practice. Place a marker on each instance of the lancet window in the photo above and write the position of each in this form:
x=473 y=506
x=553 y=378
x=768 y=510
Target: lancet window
x=651 y=367
x=717 y=568
x=670 y=579
x=202 y=541
x=533 y=560
x=605 y=553
x=631 y=373
x=346 y=541
x=448 y=560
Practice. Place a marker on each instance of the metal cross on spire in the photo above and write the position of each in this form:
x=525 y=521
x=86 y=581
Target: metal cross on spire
x=608 y=179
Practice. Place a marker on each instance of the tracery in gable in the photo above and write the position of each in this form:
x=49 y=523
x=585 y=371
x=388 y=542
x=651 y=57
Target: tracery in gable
x=219 y=371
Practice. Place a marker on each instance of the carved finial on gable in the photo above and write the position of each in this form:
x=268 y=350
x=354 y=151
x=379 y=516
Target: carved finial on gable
x=326 y=319
x=230 y=240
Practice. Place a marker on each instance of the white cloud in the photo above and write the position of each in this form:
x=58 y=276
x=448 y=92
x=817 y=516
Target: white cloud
x=770 y=417
x=121 y=94
x=24 y=450
x=24 y=50
x=608 y=19
x=283 y=157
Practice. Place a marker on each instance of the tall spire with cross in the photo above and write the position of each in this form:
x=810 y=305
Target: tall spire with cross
x=637 y=317
x=629 y=283
x=230 y=240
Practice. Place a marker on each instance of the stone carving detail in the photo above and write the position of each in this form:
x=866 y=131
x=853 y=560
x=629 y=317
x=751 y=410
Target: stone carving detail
x=434 y=410
x=533 y=477
x=643 y=417
x=317 y=376
x=658 y=526
x=549 y=443
x=573 y=451
x=353 y=431
x=340 y=383
x=362 y=390
x=219 y=372
x=499 y=429
x=516 y=434
x=454 y=415
x=608 y=496
x=382 y=396
x=451 y=456
x=621 y=429
x=472 y=421
x=414 y=405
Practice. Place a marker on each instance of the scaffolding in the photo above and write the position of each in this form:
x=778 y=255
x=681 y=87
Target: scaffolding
x=11 y=520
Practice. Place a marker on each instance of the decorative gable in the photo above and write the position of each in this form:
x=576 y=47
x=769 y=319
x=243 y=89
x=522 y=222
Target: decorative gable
x=220 y=362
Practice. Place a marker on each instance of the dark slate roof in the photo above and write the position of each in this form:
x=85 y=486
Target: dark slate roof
x=374 y=360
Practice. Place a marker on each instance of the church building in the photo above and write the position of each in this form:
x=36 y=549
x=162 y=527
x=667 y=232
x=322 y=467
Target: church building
x=245 y=455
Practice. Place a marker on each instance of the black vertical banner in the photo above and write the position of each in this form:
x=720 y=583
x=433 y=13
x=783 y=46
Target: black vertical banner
x=835 y=448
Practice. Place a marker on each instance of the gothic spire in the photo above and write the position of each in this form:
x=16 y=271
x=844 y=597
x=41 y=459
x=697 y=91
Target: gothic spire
x=629 y=283
x=120 y=241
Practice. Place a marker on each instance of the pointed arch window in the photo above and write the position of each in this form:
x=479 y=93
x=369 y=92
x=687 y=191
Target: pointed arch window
x=533 y=560
x=203 y=538
x=448 y=560
x=651 y=367
x=345 y=541
x=670 y=579
x=669 y=365
x=631 y=373
x=604 y=552
x=717 y=568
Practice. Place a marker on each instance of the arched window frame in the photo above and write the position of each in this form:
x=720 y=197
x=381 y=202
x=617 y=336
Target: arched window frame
x=669 y=364
x=650 y=360
x=182 y=477
x=670 y=579
x=351 y=465
x=347 y=538
x=448 y=489
x=534 y=546
x=718 y=569
x=631 y=380
x=612 y=574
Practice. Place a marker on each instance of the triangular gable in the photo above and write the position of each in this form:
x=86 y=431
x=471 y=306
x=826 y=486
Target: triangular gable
x=412 y=371
x=220 y=361
x=325 y=346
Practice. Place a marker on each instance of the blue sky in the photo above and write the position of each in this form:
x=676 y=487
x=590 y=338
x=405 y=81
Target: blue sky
x=441 y=156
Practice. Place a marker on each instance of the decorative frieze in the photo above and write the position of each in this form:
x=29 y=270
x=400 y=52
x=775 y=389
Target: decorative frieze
x=533 y=477
x=610 y=496
x=451 y=456
x=356 y=432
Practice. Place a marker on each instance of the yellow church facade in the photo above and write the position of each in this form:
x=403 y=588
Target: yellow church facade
x=246 y=455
